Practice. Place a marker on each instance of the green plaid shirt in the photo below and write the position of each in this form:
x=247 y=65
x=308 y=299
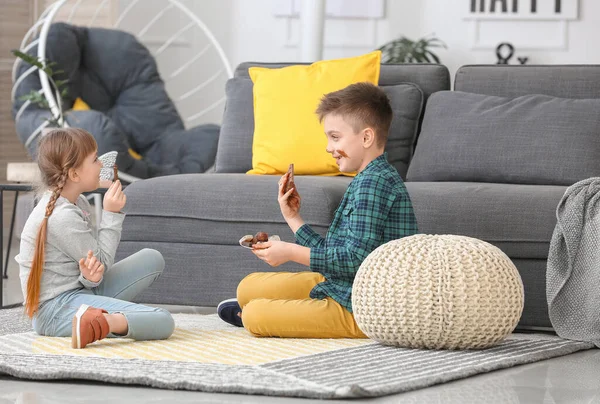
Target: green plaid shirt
x=375 y=209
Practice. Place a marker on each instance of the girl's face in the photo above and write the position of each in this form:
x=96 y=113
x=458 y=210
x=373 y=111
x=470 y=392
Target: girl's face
x=89 y=172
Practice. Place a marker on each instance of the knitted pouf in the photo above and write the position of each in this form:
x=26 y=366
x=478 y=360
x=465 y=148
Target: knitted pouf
x=439 y=292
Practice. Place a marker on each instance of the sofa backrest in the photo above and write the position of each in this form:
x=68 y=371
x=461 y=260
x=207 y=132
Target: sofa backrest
x=234 y=154
x=565 y=81
x=512 y=124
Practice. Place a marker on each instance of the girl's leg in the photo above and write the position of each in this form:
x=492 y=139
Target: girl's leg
x=131 y=276
x=143 y=322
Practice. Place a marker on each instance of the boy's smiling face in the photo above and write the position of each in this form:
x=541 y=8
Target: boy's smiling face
x=346 y=146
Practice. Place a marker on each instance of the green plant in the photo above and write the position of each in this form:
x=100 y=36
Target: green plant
x=404 y=50
x=58 y=86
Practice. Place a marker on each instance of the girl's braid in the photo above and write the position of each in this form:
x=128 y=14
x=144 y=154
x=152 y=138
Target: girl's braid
x=56 y=192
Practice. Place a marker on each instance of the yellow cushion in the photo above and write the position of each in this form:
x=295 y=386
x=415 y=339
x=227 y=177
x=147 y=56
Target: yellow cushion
x=134 y=154
x=286 y=128
x=80 y=105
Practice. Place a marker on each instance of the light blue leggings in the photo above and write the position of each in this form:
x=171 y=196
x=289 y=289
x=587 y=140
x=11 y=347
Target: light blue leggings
x=123 y=282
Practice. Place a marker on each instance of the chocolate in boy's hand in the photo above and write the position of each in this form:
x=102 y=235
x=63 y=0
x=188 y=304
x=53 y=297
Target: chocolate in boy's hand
x=290 y=179
x=115 y=173
x=261 y=237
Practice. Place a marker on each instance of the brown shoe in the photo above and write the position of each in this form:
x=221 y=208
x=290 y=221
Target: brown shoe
x=89 y=325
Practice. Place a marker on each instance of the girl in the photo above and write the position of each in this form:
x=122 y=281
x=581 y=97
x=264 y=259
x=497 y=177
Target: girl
x=69 y=282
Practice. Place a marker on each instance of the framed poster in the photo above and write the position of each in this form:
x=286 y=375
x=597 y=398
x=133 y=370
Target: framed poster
x=521 y=9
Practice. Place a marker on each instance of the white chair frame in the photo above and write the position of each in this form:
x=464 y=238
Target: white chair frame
x=47 y=18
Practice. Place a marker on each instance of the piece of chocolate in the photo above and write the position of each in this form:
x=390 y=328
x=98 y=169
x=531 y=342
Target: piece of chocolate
x=290 y=179
x=261 y=237
x=115 y=173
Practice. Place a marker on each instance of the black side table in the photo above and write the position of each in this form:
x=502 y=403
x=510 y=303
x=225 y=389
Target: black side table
x=16 y=188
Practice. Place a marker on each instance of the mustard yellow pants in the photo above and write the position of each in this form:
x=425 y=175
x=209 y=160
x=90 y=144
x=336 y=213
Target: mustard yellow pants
x=277 y=304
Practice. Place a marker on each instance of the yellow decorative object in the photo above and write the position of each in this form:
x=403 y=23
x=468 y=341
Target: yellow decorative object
x=438 y=292
x=286 y=128
x=80 y=105
x=134 y=154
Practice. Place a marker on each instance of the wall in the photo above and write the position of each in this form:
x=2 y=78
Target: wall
x=249 y=31
x=258 y=35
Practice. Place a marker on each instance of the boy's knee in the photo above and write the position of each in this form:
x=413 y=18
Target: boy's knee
x=245 y=289
x=253 y=316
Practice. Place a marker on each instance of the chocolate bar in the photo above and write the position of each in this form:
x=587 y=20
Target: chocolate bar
x=290 y=179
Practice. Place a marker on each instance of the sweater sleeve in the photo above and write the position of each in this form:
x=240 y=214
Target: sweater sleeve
x=69 y=231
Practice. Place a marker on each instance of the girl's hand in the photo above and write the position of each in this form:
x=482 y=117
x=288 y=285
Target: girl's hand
x=289 y=202
x=105 y=184
x=114 y=198
x=273 y=252
x=91 y=268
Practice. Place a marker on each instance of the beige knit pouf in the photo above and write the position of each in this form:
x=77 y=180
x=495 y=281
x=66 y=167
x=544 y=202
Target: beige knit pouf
x=439 y=292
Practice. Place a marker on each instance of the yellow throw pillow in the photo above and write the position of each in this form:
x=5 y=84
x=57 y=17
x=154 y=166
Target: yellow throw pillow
x=286 y=128
x=80 y=105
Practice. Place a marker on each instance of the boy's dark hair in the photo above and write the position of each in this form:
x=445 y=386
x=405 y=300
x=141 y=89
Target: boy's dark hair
x=362 y=105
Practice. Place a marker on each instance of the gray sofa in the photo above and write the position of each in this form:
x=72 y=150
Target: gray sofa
x=486 y=165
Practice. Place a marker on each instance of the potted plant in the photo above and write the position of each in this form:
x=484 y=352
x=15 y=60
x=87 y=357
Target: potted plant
x=58 y=86
x=404 y=50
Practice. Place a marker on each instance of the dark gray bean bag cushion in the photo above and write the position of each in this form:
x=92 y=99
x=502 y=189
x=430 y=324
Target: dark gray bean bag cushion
x=118 y=78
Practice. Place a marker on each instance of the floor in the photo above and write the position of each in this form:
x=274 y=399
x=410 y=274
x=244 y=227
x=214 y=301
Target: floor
x=570 y=379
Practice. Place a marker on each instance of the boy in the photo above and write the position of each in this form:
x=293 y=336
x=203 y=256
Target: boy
x=375 y=209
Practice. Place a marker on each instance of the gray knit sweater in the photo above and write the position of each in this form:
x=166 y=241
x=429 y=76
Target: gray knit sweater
x=70 y=234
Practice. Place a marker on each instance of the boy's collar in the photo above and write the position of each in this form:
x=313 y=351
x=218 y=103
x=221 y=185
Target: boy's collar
x=377 y=161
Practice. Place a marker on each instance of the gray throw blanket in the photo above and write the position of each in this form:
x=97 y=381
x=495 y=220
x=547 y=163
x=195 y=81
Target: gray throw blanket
x=573 y=272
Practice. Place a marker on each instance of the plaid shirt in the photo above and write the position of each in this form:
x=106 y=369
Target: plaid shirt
x=375 y=209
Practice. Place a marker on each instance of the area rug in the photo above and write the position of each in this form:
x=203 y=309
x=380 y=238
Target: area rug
x=205 y=354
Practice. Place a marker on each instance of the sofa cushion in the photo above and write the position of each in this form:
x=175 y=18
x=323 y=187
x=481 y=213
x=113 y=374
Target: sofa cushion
x=221 y=208
x=407 y=103
x=532 y=139
x=519 y=219
x=234 y=153
x=429 y=77
x=566 y=81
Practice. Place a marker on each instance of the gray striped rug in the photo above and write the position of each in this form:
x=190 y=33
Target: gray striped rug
x=367 y=370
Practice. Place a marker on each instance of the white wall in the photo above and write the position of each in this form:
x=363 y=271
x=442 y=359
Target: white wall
x=248 y=31
x=256 y=34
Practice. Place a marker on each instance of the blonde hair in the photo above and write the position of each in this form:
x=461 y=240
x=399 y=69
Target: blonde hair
x=58 y=151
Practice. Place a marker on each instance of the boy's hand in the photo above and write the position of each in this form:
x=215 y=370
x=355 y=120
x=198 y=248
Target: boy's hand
x=91 y=268
x=273 y=252
x=114 y=198
x=289 y=202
